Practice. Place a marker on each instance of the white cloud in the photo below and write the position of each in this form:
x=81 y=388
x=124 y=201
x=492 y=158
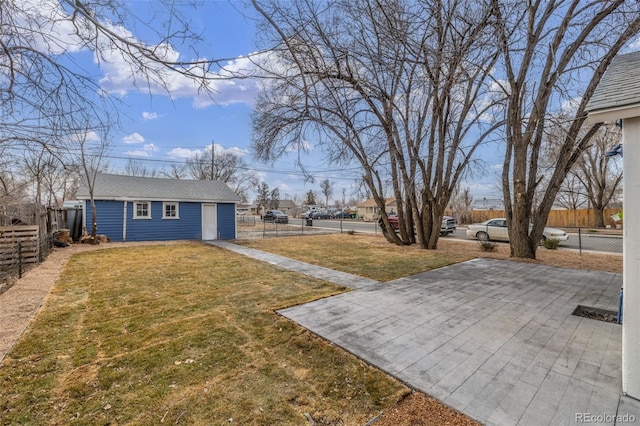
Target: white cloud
x=570 y=106
x=134 y=137
x=89 y=136
x=146 y=151
x=301 y=146
x=218 y=88
x=149 y=115
x=49 y=28
x=219 y=149
x=283 y=187
x=184 y=153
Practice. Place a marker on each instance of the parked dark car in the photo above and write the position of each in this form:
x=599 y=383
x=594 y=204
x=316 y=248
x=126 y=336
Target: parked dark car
x=275 y=216
x=320 y=215
x=342 y=215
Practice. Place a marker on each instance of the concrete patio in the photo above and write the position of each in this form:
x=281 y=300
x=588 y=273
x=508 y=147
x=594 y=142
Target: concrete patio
x=494 y=339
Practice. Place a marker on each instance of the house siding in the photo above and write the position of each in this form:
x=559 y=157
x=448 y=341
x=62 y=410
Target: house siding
x=226 y=221
x=108 y=218
x=188 y=227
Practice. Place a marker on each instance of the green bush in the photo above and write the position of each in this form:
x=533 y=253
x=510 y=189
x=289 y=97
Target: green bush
x=551 y=243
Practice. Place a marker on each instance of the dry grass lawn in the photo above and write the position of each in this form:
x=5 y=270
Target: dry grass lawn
x=187 y=334
x=373 y=257
x=182 y=334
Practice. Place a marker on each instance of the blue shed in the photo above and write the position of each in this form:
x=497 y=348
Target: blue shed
x=132 y=208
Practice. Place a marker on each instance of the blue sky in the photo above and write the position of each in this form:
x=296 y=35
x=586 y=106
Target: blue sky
x=160 y=128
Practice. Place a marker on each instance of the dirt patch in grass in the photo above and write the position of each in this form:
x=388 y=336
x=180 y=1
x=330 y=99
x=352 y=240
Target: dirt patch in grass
x=418 y=409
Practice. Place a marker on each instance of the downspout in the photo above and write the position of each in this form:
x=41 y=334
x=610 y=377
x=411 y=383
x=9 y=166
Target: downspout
x=124 y=222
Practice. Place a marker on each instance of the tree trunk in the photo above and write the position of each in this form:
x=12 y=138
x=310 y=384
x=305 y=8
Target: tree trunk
x=94 y=223
x=598 y=212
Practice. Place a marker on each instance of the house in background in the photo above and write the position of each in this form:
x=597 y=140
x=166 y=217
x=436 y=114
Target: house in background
x=369 y=210
x=288 y=207
x=485 y=203
x=243 y=209
x=131 y=208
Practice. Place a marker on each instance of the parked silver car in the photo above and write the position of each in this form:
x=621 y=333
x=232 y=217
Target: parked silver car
x=496 y=229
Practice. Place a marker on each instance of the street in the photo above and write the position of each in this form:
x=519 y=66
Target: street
x=592 y=242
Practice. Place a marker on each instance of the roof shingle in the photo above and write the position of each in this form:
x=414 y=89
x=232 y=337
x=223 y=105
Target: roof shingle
x=121 y=187
x=620 y=85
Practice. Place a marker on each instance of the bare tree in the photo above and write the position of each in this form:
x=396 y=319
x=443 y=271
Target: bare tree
x=402 y=88
x=175 y=171
x=262 y=197
x=326 y=187
x=274 y=198
x=553 y=52
x=38 y=163
x=225 y=166
x=90 y=148
x=599 y=175
x=461 y=204
x=45 y=89
x=13 y=191
x=137 y=168
x=571 y=195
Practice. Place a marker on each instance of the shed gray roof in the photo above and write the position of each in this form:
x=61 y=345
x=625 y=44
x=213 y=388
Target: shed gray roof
x=121 y=187
x=620 y=85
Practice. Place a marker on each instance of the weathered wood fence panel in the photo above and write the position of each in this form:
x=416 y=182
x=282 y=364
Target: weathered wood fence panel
x=557 y=218
x=20 y=247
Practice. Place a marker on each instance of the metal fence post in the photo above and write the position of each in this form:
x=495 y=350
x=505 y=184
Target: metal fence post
x=580 y=240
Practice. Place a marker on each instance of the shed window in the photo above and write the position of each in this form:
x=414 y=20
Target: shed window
x=170 y=211
x=142 y=210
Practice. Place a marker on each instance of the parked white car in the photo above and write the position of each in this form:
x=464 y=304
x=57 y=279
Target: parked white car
x=496 y=229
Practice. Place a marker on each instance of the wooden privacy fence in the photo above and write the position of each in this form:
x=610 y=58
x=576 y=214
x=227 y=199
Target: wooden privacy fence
x=20 y=246
x=557 y=218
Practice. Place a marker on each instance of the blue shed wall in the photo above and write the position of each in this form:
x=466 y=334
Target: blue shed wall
x=108 y=217
x=226 y=221
x=188 y=227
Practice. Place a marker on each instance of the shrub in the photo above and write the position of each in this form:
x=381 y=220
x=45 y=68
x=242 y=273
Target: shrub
x=487 y=246
x=551 y=243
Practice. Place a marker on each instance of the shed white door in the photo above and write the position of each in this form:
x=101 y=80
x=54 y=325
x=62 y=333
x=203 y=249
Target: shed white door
x=209 y=222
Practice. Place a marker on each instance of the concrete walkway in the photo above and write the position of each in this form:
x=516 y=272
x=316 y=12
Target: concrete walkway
x=494 y=339
x=326 y=274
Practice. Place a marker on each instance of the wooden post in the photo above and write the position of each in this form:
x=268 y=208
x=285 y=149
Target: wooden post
x=19 y=258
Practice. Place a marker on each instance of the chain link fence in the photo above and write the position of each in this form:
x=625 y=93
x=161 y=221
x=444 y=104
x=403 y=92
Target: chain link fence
x=252 y=227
